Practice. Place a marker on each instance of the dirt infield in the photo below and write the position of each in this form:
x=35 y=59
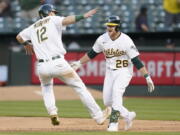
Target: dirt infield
x=77 y=124
x=67 y=124
x=34 y=93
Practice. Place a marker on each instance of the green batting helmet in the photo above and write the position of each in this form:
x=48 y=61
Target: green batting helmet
x=45 y=9
x=113 y=21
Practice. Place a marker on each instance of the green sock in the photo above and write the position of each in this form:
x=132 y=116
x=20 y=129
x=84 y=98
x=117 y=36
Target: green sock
x=114 y=117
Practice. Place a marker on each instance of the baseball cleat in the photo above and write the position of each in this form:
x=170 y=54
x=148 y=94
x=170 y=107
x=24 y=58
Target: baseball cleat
x=129 y=120
x=113 y=127
x=106 y=113
x=54 y=120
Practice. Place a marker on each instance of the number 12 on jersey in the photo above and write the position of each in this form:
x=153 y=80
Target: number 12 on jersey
x=41 y=34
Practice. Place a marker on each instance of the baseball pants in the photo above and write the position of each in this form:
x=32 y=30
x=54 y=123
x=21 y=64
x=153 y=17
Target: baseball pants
x=60 y=68
x=115 y=84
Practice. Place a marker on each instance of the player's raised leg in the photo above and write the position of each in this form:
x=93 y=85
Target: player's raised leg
x=73 y=80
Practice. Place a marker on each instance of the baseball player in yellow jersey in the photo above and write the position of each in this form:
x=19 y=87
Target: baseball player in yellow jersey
x=121 y=54
x=44 y=37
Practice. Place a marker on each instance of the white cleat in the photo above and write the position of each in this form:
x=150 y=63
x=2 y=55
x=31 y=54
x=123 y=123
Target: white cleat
x=106 y=113
x=113 y=127
x=129 y=120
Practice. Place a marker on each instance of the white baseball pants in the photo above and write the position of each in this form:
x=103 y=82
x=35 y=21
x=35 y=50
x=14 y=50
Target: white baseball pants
x=60 y=68
x=115 y=84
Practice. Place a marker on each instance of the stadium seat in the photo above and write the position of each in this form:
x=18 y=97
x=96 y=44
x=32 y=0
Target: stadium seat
x=126 y=9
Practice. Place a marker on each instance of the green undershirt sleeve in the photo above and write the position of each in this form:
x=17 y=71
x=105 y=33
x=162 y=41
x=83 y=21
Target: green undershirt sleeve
x=91 y=54
x=137 y=62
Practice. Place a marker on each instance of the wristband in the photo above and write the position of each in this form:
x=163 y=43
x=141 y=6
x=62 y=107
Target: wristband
x=25 y=43
x=146 y=75
x=79 y=17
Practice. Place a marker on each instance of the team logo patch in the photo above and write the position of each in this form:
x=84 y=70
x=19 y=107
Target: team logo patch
x=111 y=52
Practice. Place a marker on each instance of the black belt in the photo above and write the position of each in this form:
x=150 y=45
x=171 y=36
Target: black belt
x=112 y=69
x=53 y=58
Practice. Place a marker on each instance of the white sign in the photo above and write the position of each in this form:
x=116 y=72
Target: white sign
x=3 y=73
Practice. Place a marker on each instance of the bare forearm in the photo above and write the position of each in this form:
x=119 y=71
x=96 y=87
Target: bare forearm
x=69 y=20
x=139 y=65
x=143 y=71
x=27 y=45
x=84 y=59
x=75 y=18
x=72 y=19
x=19 y=39
x=149 y=81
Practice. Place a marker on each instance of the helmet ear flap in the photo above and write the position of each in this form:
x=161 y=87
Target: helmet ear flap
x=118 y=28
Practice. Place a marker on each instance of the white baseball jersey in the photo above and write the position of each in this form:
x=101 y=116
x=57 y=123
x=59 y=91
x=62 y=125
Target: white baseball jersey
x=46 y=37
x=118 y=53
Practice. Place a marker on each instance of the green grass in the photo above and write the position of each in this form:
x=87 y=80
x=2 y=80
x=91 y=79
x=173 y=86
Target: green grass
x=148 y=109
x=155 y=109
x=91 y=133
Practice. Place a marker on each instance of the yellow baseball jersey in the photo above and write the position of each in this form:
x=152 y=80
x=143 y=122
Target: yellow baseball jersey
x=118 y=53
x=46 y=37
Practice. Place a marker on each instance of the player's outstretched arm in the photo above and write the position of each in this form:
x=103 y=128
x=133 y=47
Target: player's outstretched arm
x=149 y=81
x=90 y=13
x=141 y=68
x=87 y=57
x=77 y=64
x=75 y=18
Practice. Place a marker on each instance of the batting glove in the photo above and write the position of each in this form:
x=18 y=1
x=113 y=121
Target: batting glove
x=76 y=65
x=150 y=84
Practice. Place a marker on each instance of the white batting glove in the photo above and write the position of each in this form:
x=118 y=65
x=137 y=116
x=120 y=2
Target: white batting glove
x=76 y=65
x=150 y=84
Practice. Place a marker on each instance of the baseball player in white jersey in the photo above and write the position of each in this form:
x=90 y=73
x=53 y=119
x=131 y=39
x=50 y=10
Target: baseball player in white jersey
x=44 y=37
x=121 y=54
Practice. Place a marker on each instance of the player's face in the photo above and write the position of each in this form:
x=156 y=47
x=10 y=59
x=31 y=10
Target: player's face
x=111 y=31
x=52 y=13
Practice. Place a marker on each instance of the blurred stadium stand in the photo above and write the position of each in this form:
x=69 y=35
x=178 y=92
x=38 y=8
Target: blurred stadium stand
x=126 y=9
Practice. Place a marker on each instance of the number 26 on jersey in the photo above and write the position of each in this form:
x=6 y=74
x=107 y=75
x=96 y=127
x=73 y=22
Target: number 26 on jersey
x=121 y=63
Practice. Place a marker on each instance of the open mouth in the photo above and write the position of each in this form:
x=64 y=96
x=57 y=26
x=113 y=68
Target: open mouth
x=109 y=31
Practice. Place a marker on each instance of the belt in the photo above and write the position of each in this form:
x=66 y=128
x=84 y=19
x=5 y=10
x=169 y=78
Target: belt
x=53 y=58
x=112 y=69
